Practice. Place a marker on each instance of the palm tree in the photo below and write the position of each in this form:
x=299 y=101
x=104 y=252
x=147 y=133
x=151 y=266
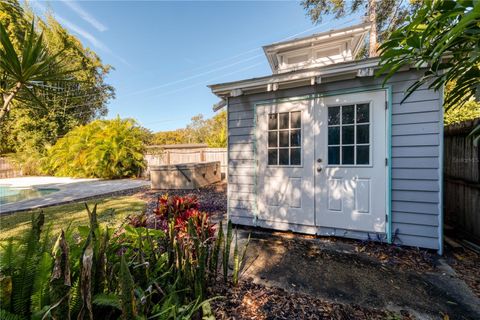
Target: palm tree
x=23 y=73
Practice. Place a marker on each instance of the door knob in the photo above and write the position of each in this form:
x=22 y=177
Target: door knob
x=319 y=169
x=319 y=160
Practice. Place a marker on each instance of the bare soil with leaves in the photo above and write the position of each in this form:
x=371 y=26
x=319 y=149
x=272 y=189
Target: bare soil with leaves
x=403 y=258
x=467 y=266
x=254 y=301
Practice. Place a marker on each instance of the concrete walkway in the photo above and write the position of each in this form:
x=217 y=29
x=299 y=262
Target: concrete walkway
x=70 y=190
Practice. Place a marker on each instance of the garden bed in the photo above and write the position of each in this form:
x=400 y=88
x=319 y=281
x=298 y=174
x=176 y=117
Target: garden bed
x=212 y=199
x=292 y=276
x=360 y=280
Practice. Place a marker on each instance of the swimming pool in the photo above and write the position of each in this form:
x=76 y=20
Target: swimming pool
x=10 y=194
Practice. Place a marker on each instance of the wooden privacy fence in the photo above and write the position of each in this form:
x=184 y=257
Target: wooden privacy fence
x=175 y=154
x=8 y=170
x=462 y=180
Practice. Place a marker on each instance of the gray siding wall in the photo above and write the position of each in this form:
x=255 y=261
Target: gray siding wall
x=417 y=133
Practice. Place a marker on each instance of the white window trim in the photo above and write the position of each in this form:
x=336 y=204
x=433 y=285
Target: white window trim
x=289 y=142
x=370 y=137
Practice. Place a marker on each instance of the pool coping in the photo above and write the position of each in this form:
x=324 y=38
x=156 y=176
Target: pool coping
x=74 y=192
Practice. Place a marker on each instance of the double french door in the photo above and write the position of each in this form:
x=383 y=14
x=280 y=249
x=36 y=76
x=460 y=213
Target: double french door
x=321 y=162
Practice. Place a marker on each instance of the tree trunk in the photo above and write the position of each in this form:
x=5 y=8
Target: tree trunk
x=372 y=15
x=8 y=99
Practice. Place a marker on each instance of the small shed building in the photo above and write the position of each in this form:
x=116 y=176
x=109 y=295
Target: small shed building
x=323 y=147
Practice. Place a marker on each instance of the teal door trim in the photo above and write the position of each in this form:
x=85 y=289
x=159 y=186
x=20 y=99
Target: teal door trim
x=388 y=96
x=440 y=174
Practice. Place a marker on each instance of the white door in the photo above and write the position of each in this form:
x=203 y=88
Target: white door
x=285 y=180
x=350 y=153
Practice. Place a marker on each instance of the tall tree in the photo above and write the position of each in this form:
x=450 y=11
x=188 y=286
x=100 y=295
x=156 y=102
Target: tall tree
x=212 y=131
x=384 y=15
x=217 y=138
x=29 y=126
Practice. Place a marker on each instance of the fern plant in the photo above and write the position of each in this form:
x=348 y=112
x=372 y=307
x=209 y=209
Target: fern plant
x=133 y=274
x=23 y=277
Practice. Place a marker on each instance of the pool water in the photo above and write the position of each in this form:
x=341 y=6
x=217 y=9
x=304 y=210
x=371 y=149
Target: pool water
x=10 y=194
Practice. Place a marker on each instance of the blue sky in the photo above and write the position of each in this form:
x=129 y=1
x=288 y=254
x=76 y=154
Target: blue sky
x=165 y=53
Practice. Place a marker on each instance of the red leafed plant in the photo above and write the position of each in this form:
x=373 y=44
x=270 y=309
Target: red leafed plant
x=179 y=210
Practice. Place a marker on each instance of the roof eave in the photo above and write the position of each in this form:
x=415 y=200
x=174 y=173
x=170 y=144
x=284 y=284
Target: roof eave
x=224 y=90
x=315 y=37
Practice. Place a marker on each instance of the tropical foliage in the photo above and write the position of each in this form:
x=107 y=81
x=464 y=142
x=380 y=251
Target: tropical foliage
x=49 y=106
x=462 y=111
x=101 y=149
x=442 y=38
x=211 y=131
x=135 y=272
x=470 y=110
x=26 y=71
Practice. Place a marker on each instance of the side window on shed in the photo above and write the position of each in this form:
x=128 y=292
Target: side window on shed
x=285 y=138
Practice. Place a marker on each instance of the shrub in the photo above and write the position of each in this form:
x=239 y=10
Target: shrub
x=179 y=210
x=30 y=162
x=469 y=111
x=134 y=273
x=101 y=149
x=192 y=238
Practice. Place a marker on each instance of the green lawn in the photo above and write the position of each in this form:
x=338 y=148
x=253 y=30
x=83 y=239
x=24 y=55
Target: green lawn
x=111 y=212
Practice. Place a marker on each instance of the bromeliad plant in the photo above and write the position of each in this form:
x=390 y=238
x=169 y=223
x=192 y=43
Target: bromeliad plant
x=194 y=246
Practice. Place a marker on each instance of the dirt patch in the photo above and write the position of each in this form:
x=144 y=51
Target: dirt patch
x=467 y=266
x=331 y=272
x=403 y=258
x=398 y=257
x=254 y=301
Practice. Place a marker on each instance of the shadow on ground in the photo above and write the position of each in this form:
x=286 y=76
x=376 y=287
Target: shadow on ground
x=334 y=271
